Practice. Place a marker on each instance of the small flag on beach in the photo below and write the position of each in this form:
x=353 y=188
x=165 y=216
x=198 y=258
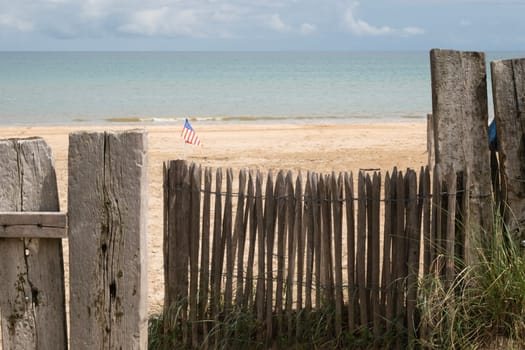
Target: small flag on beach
x=189 y=135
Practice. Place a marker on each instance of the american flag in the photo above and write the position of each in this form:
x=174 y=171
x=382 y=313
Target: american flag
x=189 y=135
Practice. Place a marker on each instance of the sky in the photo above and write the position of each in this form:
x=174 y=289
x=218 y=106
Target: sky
x=261 y=25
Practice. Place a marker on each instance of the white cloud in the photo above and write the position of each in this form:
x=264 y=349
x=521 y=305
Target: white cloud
x=464 y=23
x=162 y=21
x=14 y=23
x=307 y=28
x=275 y=22
x=360 y=27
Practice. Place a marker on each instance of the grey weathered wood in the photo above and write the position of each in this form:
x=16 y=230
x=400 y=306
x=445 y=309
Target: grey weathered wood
x=250 y=213
x=299 y=238
x=508 y=87
x=216 y=262
x=316 y=219
x=361 y=250
x=337 y=209
x=269 y=227
x=194 y=239
x=413 y=248
x=240 y=236
x=400 y=259
x=107 y=201
x=293 y=236
x=327 y=283
x=33 y=225
x=281 y=206
x=204 y=278
x=308 y=214
x=386 y=271
x=227 y=242
x=450 y=254
x=350 y=246
x=32 y=296
x=460 y=113
x=430 y=140
x=377 y=317
x=261 y=239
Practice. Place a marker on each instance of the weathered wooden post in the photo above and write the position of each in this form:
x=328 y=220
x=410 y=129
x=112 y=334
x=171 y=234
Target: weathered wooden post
x=32 y=298
x=460 y=114
x=508 y=87
x=107 y=201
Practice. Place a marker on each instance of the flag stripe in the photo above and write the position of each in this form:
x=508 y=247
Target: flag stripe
x=189 y=135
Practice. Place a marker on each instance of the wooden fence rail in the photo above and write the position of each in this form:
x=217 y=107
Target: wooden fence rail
x=306 y=245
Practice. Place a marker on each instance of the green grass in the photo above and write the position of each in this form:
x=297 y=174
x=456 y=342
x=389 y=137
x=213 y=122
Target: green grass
x=484 y=307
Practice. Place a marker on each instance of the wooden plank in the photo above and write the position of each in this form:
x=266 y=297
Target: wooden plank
x=361 y=250
x=309 y=226
x=399 y=257
x=430 y=140
x=425 y=196
x=269 y=227
x=250 y=214
x=293 y=236
x=337 y=209
x=413 y=234
x=227 y=242
x=204 y=278
x=326 y=243
x=107 y=203
x=451 y=228
x=240 y=234
x=350 y=246
x=387 y=309
x=32 y=296
x=281 y=199
x=261 y=239
x=216 y=260
x=460 y=113
x=299 y=240
x=508 y=86
x=375 y=258
x=194 y=239
x=316 y=219
x=435 y=229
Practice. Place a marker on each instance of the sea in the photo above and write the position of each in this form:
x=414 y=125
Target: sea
x=94 y=88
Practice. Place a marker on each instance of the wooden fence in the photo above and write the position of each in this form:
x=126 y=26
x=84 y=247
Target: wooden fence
x=292 y=246
x=105 y=227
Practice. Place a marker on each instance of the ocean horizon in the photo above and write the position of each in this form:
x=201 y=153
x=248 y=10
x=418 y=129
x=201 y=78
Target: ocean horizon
x=97 y=88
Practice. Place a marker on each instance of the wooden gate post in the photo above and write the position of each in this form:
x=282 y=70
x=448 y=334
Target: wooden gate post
x=508 y=86
x=107 y=202
x=32 y=298
x=460 y=116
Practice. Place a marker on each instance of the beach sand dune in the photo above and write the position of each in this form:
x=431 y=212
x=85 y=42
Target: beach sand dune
x=320 y=148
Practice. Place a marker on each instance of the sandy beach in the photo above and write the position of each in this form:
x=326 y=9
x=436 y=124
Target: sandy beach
x=298 y=147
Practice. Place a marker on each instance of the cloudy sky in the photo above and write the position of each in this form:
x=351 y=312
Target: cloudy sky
x=261 y=24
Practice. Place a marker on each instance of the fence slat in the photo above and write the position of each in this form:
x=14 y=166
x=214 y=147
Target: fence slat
x=450 y=240
x=269 y=227
x=460 y=115
x=239 y=235
x=413 y=247
x=327 y=279
x=293 y=237
x=300 y=235
x=32 y=290
x=250 y=216
x=386 y=274
x=194 y=238
x=310 y=242
x=508 y=86
x=216 y=261
x=350 y=246
x=205 y=252
x=399 y=257
x=377 y=317
x=107 y=204
x=361 y=250
x=227 y=242
x=281 y=207
x=337 y=205
x=261 y=240
x=316 y=219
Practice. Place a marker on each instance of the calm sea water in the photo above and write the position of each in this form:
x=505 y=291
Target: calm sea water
x=59 y=88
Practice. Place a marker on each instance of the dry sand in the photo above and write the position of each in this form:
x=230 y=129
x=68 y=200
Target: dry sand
x=298 y=147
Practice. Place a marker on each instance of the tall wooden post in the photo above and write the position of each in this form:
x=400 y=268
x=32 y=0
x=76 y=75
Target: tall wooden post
x=107 y=245
x=460 y=113
x=508 y=86
x=32 y=298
